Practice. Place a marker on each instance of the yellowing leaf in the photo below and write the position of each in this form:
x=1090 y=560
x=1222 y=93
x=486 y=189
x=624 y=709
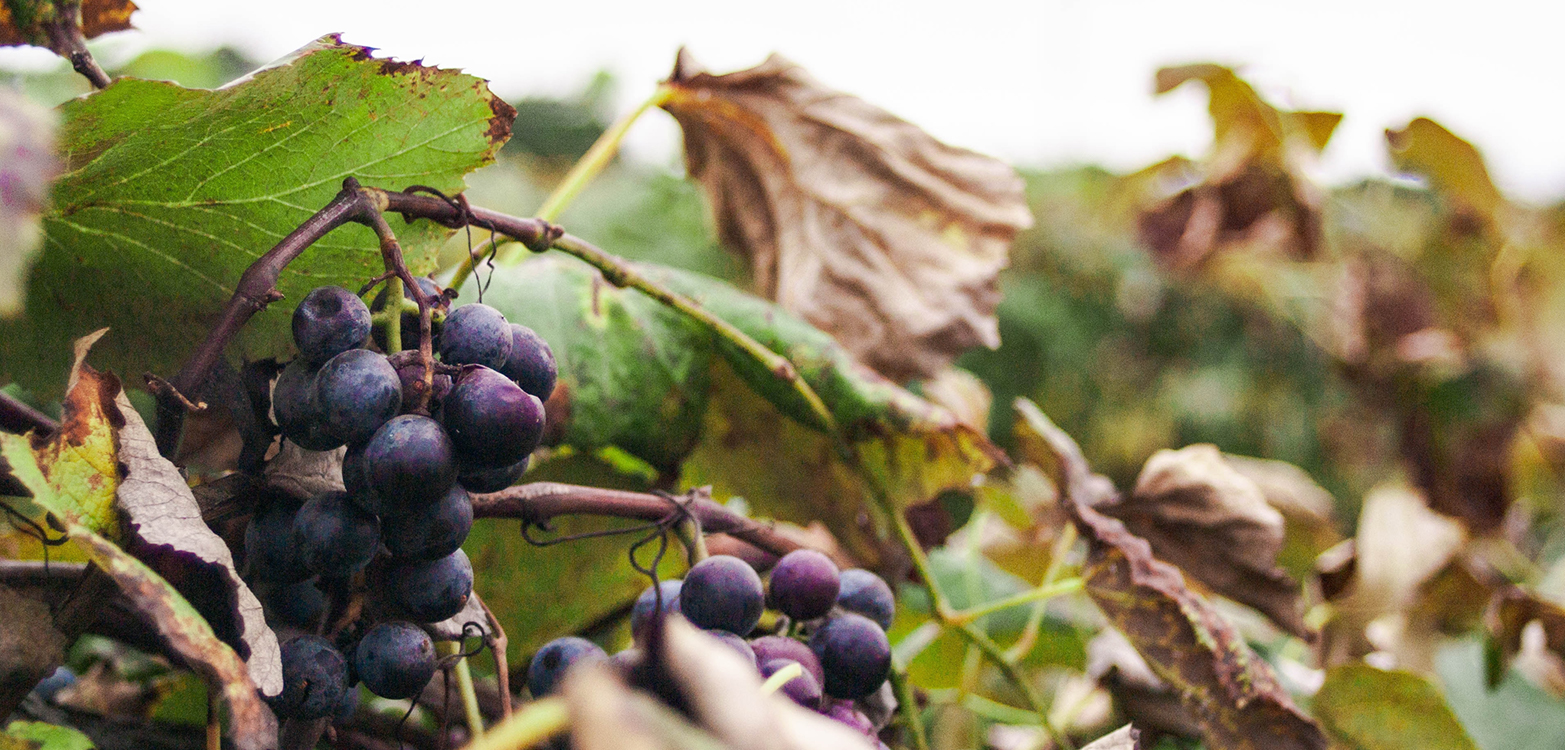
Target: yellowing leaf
x=1455 y=167
x=858 y=221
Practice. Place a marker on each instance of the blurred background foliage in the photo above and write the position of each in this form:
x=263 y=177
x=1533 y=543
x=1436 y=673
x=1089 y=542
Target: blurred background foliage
x=1401 y=331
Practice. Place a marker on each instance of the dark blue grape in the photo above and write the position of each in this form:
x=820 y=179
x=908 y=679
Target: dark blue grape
x=297 y=604
x=646 y=604
x=432 y=533
x=335 y=537
x=432 y=590
x=475 y=334
x=845 y=713
x=348 y=706
x=358 y=390
x=739 y=645
x=803 y=690
x=356 y=481
x=409 y=463
x=492 y=480
x=492 y=421
x=329 y=321
x=531 y=363
x=804 y=584
x=723 y=592
x=437 y=316
x=626 y=661
x=854 y=653
x=395 y=659
x=411 y=373
x=556 y=658
x=865 y=593
x=270 y=552
x=61 y=678
x=297 y=410
x=315 y=676
x=773 y=647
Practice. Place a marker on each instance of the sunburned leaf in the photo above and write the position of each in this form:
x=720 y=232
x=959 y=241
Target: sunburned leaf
x=856 y=220
x=27 y=140
x=171 y=193
x=25 y=21
x=1366 y=708
x=1232 y=693
x=1215 y=524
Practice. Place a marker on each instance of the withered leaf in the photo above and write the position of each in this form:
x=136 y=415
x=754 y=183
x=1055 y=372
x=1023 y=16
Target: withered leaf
x=97 y=17
x=30 y=645
x=1426 y=148
x=1233 y=694
x=167 y=533
x=856 y=220
x=1124 y=738
x=1509 y=612
x=1214 y=524
x=1252 y=189
x=608 y=715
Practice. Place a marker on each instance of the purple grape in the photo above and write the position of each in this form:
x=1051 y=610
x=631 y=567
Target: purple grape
x=854 y=653
x=270 y=553
x=297 y=604
x=432 y=590
x=739 y=645
x=298 y=412
x=531 y=363
x=773 y=647
x=315 y=676
x=409 y=463
x=492 y=480
x=865 y=593
x=845 y=713
x=723 y=592
x=358 y=390
x=803 y=690
x=356 y=481
x=335 y=537
x=411 y=374
x=646 y=604
x=329 y=321
x=395 y=659
x=804 y=584
x=556 y=658
x=625 y=661
x=475 y=334
x=492 y=421
x=431 y=533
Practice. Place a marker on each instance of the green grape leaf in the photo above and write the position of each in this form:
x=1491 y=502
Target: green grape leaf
x=1373 y=709
x=170 y=193
x=37 y=735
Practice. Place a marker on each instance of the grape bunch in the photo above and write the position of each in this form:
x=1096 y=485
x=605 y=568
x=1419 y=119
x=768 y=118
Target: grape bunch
x=833 y=626
x=417 y=443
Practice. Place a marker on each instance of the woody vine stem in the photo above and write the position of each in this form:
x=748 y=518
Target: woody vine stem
x=366 y=205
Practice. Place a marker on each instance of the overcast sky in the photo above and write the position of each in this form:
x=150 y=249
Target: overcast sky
x=1040 y=83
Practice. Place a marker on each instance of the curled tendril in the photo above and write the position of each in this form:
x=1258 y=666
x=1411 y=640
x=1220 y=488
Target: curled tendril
x=466 y=219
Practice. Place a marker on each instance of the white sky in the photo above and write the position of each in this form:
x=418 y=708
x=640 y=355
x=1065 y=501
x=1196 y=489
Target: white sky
x=1038 y=83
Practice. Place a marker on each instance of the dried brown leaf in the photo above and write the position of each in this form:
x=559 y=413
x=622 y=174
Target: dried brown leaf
x=1214 y=523
x=30 y=645
x=1308 y=511
x=168 y=534
x=608 y=715
x=856 y=220
x=1509 y=613
x=1233 y=694
x=1124 y=738
x=98 y=17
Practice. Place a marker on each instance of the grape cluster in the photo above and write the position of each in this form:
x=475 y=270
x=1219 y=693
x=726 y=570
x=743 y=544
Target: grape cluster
x=834 y=628
x=417 y=443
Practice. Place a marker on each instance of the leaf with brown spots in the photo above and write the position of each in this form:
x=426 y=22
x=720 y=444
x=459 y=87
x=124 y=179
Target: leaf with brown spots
x=1214 y=523
x=1510 y=612
x=1232 y=693
x=854 y=219
x=29 y=21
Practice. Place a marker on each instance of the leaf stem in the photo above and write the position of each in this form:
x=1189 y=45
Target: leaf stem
x=1029 y=637
x=464 y=685
x=597 y=157
x=907 y=704
x=536 y=722
x=993 y=652
x=1041 y=593
x=781 y=677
